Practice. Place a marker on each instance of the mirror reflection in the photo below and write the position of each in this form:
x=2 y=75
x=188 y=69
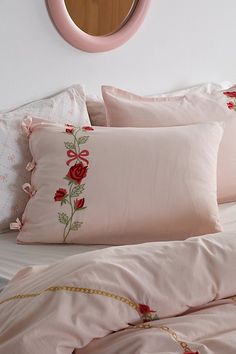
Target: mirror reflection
x=100 y=17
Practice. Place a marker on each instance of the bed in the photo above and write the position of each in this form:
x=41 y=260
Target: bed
x=13 y=257
x=167 y=285
x=199 y=319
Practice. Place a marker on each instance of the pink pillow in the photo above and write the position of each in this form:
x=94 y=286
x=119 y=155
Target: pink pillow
x=68 y=106
x=121 y=186
x=96 y=108
x=125 y=109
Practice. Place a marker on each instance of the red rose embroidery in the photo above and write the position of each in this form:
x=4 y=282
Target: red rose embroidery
x=230 y=94
x=77 y=172
x=69 y=129
x=87 y=128
x=60 y=194
x=144 y=309
x=79 y=203
x=71 y=197
x=231 y=105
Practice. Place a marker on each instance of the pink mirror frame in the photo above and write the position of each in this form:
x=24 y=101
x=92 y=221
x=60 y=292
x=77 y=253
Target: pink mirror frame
x=81 y=40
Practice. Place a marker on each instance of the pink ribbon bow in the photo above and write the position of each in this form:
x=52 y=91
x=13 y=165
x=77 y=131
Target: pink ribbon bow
x=73 y=156
x=16 y=225
x=30 y=166
x=26 y=126
x=28 y=189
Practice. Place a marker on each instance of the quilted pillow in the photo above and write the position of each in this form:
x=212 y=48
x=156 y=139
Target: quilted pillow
x=121 y=185
x=125 y=109
x=67 y=106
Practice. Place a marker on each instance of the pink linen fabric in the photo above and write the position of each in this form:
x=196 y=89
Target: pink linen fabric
x=125 y=109
x=121 y=185
x=208 y=87
x=56 y=308
x=97 y=112
x=68 y=106
x=208 y=329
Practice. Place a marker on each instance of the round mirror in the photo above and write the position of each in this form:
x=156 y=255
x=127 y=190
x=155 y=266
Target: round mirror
x=98 y=25
x=100 y=17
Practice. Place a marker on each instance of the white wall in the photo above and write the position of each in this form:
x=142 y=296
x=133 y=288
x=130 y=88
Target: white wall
x=182 y=42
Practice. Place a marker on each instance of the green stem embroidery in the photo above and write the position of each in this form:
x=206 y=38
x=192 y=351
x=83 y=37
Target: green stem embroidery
x=78 y=163
x=66 y=228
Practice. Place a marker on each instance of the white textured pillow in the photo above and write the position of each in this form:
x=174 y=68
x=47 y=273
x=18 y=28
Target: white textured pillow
x=121 y=185
x=68 y=106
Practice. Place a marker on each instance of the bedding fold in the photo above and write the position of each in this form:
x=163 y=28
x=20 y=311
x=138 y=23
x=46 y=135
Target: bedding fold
x=56 y=308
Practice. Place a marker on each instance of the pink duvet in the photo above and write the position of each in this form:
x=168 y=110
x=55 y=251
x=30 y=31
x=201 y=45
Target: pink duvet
x=175 y=297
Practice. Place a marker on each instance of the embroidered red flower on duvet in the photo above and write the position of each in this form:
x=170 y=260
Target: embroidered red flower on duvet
x=60 y=194
x=145 y=309
x=77 y=172
x=147 y=314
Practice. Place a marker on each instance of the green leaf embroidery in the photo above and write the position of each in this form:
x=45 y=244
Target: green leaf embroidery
x=82 y=140
x=69 y=145
x=76 y=225
x=64 y=201
x=77 y=190
x=63 y=218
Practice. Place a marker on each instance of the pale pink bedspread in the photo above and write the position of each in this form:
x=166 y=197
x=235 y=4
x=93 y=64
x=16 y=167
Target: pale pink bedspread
x=205 y=331
x=104 y=294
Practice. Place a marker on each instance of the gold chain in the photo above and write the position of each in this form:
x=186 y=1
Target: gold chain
x=233 y=298
x=88 y=291
x=166 y=329
x=123 y=299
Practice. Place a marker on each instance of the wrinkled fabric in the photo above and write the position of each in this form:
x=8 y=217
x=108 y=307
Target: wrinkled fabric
x=56 y=308
x=207 y=330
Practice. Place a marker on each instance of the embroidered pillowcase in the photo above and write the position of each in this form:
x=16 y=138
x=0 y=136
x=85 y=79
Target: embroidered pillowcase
x=121 y=185
x=125 y=109
x=67 y=106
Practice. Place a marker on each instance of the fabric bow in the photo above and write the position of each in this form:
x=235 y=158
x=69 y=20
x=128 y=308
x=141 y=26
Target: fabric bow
x=26 y=126
x=73 y=156
x=30 y=166
x=28 y=189
x=16 y=225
